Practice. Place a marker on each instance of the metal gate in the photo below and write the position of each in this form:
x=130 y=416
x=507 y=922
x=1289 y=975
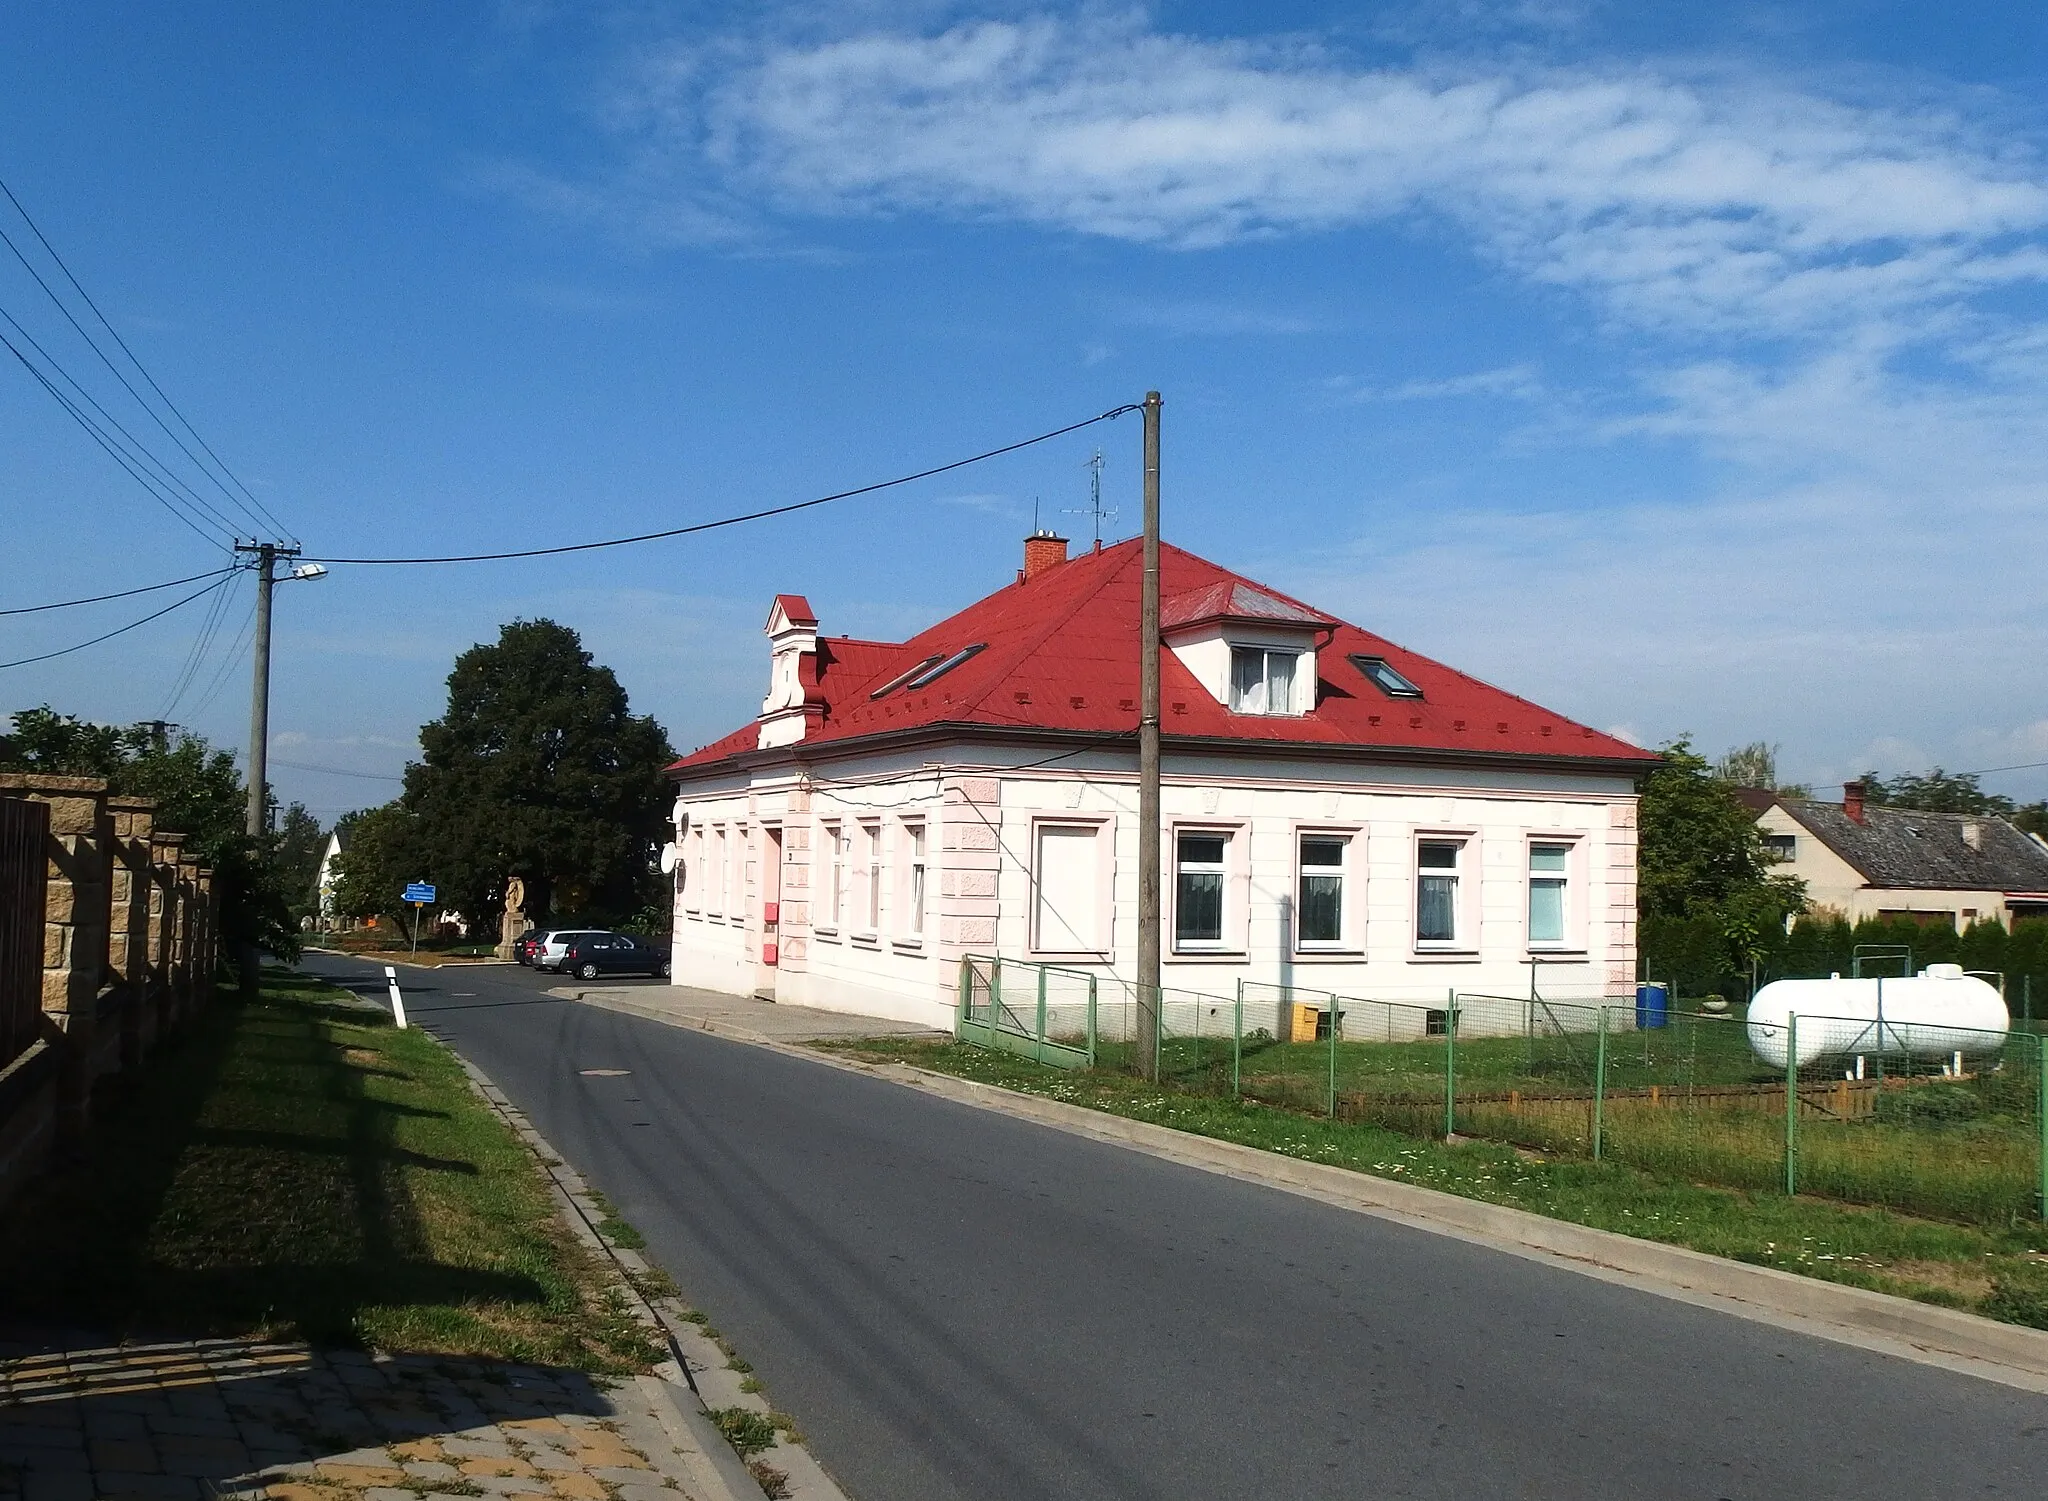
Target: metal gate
x=24 y=877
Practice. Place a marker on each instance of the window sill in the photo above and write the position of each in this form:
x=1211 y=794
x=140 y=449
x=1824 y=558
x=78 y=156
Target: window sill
x=1206 y=956
x=1536 y=952
x=907 y=945
x=1444 y=956
x=1329 y=956
x=865 y=941
x=825 y=935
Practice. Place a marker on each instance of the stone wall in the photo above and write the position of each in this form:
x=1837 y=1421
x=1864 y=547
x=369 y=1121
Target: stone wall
x=128 y=954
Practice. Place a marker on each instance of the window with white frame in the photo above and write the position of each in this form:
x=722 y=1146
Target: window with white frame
x=1549 y=893
x=912 y=924
x=1261 y=680
x=1319 y=891
x=1199 y=867
x=1066 y=890
x=718 y=860
x=871 y=837
x=835 y=874
x=693 y=873
x=1437 y=918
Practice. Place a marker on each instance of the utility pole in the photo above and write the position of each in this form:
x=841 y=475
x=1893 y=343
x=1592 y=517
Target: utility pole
x=266 y=555
x=1148 y=761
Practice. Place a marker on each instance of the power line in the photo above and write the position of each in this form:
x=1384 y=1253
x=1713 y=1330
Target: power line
x=706 y=526
x=336 y=771
x=202 y=642
x=227 y=663
x=138 y=449
x=93 y=345
x=113 y=452
x=117 y=631
x=183 y=421
x=93 y=599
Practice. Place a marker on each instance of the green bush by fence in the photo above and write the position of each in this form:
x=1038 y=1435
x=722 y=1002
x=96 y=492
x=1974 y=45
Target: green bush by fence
x=1687 y=1099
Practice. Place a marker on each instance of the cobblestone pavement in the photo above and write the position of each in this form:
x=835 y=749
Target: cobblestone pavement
x=81 y=1418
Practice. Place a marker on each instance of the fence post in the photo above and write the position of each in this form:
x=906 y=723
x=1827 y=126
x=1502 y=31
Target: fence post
x=960 y=1002
x=1041 y=1013
x=1333 y=1055
x=2042 y=1112
x=1091 y=1021
x=995 y=999
x=1599 y=1083
x=1451 y=1064
x=1237 y=1045
x=1792 y=1103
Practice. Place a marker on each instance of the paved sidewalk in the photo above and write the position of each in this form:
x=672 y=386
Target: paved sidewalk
x=736 y=1015
x=82 y=1418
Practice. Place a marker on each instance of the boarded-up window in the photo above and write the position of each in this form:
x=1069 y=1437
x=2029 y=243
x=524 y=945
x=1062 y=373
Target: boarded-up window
x=1066 y=915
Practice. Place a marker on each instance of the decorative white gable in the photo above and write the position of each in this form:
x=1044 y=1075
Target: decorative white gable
x=792 y=701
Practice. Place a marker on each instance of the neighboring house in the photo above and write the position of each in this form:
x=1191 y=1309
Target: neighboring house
x=1340 y=813
x=324 y=880
x=1865 y=860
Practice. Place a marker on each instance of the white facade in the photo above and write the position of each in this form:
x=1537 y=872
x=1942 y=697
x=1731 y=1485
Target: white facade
x=1320 y=864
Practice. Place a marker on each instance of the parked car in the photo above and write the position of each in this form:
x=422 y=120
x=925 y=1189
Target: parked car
x=555 y=945
x=527 y=945
x=588 y=955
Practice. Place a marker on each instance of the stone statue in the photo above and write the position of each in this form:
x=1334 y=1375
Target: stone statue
x=513 y=923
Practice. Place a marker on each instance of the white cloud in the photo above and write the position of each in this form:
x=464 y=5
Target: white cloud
x=1706 y=204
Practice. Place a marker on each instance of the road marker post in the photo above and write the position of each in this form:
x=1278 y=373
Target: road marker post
x=397 y=1001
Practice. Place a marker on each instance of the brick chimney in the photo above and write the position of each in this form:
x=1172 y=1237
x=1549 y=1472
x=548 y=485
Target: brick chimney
x=1042 y=550
x=1852 y=801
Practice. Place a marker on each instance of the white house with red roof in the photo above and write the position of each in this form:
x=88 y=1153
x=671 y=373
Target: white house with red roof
x=1342 y=814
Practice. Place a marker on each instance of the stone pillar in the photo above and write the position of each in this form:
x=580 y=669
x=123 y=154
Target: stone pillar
x=75 y=917
x=164 y=920
x=133 y=820
x=188 y=937
x=206 y=952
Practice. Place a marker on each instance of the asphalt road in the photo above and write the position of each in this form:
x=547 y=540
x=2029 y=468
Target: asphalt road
x=956 y=1304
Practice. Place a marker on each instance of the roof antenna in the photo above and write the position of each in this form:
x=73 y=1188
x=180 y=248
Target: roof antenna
x=1095 y=509
x=1034 y=515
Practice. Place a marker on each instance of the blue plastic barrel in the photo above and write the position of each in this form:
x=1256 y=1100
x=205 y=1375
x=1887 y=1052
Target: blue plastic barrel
x=1653 y=1006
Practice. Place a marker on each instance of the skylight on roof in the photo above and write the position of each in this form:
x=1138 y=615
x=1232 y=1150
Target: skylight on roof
x=1383 y=676
x=933 y=674
x=905 y=676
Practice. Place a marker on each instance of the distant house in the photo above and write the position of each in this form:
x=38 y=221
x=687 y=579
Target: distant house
x=1865 y=860
x=324 y=879
x=1339 y=812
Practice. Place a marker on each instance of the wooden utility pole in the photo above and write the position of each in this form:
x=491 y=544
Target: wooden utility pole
x=1148 y=762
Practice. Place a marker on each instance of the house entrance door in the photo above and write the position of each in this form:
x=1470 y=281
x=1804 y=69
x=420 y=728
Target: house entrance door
x=768 y=955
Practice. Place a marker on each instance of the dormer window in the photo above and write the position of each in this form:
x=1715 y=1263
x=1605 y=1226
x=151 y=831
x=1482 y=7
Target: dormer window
x=1261 y=680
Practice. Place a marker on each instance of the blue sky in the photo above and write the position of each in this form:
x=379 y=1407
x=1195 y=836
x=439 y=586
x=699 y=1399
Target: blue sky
x=1682 y=368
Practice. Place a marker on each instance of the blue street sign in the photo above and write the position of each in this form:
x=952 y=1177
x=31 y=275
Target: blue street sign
x=420 y=891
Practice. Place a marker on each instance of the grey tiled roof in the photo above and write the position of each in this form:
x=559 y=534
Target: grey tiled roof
x=1906 y=848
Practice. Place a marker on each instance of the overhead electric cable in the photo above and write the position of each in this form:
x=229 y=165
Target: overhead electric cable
x=336 y=771
x=93 y=599
x=127 y=385
x=202 y=642
x=706 y=526
x=227 y=663
x=115 y=453
x=137 y=448
x=36 y=230
x=110 y=635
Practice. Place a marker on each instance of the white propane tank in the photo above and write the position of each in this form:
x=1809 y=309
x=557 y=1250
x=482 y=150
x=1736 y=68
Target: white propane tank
x=1938 y=1012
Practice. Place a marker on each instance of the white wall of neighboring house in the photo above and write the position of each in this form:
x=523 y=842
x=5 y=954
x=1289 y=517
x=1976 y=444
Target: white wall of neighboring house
x=1041 y=863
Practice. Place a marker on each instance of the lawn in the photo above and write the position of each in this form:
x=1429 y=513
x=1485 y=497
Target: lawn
x=294 y=1166
x=2000 y=1271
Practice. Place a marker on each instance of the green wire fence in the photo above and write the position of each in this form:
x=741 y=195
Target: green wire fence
x=1675 y=1091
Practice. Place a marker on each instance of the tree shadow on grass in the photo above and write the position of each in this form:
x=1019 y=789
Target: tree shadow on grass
x=250 y=1183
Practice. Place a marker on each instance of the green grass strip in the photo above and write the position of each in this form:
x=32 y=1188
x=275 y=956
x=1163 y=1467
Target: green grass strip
x=295 y=1167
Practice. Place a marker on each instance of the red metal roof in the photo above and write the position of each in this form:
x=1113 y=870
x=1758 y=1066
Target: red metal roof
x=1059 y=657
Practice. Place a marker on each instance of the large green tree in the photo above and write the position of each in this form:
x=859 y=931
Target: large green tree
x=538 y=769
x=1709 y=899
x=1940 y=791
x=198 y=793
